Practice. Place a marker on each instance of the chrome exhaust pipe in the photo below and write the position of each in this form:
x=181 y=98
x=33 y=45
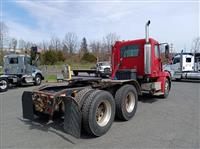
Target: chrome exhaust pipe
x=147 y=31
x=147 y=51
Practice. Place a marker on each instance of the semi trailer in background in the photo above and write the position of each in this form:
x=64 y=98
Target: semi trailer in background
x=184 y=66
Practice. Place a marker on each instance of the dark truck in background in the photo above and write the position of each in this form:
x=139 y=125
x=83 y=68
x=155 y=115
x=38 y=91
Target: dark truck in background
x=18 y=69
x=101 y=69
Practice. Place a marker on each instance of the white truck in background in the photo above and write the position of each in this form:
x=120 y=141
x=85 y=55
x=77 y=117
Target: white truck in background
x=184 y=66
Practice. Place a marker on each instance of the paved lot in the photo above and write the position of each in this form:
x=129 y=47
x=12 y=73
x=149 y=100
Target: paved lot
x=158 y=123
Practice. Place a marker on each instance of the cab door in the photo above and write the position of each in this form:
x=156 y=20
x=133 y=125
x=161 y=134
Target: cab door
x=156 y=63
x=28 y=67
x=176 y=64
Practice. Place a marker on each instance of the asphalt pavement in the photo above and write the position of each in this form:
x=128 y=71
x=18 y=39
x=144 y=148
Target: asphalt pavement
x=158 y=123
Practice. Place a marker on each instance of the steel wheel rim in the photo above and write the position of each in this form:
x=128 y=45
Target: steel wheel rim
x=4 y=86
x=166 y=87
x=130 y=102
x=103 y=113
x=38 y=80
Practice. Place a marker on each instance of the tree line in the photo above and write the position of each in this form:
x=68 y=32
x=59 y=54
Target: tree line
x=68 y=48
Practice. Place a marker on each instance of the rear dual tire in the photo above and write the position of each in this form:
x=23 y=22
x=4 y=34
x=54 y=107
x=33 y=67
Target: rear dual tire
x=98 y=112
x=126 y=99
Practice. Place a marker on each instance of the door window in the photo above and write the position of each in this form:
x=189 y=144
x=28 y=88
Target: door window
x=188 y=60
x=176 y=60
x=129 y=51
x=13 y=60
x=27 y=60
x=157 y=53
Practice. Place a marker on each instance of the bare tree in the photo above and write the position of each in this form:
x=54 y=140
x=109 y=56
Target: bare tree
x=55 y=43
x=95 y=47
x=28 y=45
x=70 y=42
x=3 y=35
x=3 y=39
x=21 y=44
x=13 y=44
x=109 y=40
x=196 y=45
x=45 y=45
x=84 y=48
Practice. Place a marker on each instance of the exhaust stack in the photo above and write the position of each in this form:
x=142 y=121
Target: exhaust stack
x=147 y=31
x=147 y=51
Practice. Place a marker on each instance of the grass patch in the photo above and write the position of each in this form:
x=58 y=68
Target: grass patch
x=50 y=78
x=50 y=71
x=81 y=65
x=1 y=71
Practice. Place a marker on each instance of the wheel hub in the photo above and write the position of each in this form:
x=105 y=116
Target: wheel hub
x=130 y=102
x=4 y=84
x=166 y=87
x=103 y=113
x=38 y=80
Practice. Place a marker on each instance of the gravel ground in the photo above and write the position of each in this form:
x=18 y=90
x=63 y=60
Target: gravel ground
x=158 y=123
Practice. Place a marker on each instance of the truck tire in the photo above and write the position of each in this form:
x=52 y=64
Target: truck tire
x=167 y=88
x=126 y=99
x=3 y=84
x=38 y=79
x=98 y=112
x=82 y=95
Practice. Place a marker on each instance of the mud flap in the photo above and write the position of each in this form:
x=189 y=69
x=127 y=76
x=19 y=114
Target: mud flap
x=72 y=117
x=27 y=105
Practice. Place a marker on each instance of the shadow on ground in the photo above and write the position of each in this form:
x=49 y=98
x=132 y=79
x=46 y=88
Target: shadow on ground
x=148 y=98
x=55 y=127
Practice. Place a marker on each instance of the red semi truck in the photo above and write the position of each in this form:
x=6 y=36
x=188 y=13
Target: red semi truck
x=92 y=104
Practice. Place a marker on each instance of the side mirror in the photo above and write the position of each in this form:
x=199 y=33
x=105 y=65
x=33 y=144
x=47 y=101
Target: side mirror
x=167 y=51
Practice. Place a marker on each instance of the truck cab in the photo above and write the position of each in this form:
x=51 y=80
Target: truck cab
x=103 y=68
x=141 y=60
x=184 y=67
x=185 y=64
x=131 y=55
x=18 y=70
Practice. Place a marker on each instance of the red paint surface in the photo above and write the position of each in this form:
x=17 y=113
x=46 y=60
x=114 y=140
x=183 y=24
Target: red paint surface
x=138 y=61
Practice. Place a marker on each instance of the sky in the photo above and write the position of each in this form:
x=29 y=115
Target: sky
x=176 y=22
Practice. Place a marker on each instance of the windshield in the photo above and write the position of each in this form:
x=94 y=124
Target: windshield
x=27 y=60
x=176 y=60
x=104 y=64
x=129 y=51
x=13 y=60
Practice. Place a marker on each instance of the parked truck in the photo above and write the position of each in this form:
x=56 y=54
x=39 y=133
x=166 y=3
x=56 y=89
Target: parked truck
x=101 y=69
x=184 y=66
x=92 y=103
x=18 y=69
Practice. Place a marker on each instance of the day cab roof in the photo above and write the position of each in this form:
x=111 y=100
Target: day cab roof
x=15 y=55
x=137 y=41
